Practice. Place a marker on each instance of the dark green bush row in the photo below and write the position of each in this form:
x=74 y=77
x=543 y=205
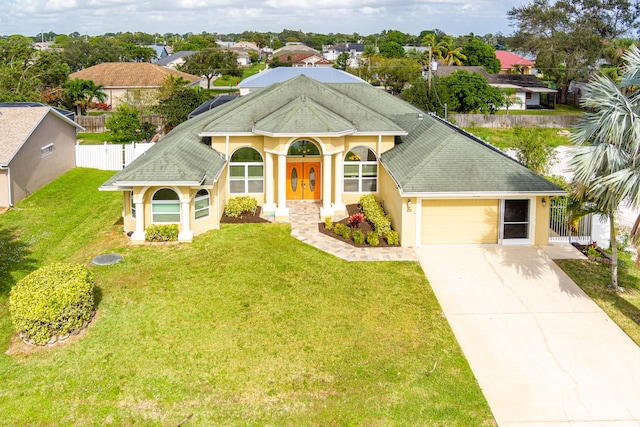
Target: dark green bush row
x=162 y=233
x=236 y=206
x=54 y=300
x=358 y=236
x=342 y=230
x=374 y=212
x=372 y=238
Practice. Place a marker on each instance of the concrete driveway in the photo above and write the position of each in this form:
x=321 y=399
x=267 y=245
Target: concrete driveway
x=543 y=352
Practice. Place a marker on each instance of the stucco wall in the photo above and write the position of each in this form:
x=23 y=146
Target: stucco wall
x=401 y=221
x=4 y=188
x=541 y=234
x=30 y=169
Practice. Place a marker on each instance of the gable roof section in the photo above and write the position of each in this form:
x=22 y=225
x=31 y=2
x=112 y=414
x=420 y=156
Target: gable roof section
x=168 y=60
x=303 y=116
x=508 y=60
x=282 y=74
x=438 y=159
x=18 y=123
x=130 y=74
x=240 y=116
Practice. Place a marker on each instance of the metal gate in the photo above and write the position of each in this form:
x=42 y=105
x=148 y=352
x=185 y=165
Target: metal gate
x=561 y=230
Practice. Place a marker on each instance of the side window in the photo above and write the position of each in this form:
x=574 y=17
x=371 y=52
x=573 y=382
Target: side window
x=201 y=204
x=246 y=171
x=360 y=171
x=165 y=206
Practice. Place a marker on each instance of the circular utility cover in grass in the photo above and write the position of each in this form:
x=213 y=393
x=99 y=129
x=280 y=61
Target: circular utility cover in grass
x=107 y=259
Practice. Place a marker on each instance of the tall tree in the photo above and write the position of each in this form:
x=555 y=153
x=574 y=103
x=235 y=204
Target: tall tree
x=212 y=62
x=431 y=99
x=448 y=53
x=78 y=94
x=395 y=73
x=471 y=92
x=482 y=54
x=569 y=36
x=607 y=160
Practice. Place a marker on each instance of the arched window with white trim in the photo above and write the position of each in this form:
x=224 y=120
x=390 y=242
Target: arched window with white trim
x=360 y=171
x=165 y=206
x=132 y=205
x=201 y=204
x=246 y=171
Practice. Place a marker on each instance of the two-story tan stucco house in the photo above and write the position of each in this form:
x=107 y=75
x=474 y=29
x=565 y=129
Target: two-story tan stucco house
x=333 y=142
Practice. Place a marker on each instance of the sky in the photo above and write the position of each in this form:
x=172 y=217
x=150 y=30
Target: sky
x=95 y=17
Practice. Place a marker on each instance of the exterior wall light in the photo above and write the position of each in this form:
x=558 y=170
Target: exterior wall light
x=544 y=202
x=409 y=205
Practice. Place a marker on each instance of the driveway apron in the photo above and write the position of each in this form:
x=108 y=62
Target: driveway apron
x=542 y=351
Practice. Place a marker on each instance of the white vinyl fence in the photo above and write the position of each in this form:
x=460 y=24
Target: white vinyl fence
x=109 y=156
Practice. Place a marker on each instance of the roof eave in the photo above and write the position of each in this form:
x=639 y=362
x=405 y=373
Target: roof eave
x=307 y=134
x=480 y=194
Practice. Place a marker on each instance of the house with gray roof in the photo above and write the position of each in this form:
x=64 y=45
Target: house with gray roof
x=331 y=143
x=37 y=144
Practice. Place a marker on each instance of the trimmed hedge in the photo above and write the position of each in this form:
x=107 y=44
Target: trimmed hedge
x=161 y=233
x=236 y=206
x=393 y=238
x=342 y=230
x=374 y=212
x=53 y=301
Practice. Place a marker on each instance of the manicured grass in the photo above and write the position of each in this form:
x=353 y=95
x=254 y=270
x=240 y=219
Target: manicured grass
x=88 y=138
x=623 y=307
x=245 y=326
x=503 y=138
x=246 y=72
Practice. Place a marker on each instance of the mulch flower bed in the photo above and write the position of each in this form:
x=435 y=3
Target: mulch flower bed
x=365 y=226
x=245 y=218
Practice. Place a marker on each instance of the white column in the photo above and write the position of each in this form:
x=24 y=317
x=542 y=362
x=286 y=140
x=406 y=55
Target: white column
x=326 y=209
x=282 y=212
x=186 y=235
x=269 y=182
x=138 y=236
x=338 y=204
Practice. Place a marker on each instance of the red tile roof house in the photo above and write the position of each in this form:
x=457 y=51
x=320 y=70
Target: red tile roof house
x=37 y=145
x=122 y=79
x=511 y=63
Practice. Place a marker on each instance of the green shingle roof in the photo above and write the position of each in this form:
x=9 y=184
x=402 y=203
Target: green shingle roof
x=432 y=156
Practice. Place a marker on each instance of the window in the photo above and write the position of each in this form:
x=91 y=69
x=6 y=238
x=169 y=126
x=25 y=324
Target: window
x=165 y=206
x=132 y=205
x=46 y=150
x=202 y=204
x=303 y=148
x=246 y=171
x=360 y=171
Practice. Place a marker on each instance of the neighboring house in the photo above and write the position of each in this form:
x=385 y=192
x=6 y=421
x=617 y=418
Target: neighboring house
x=529 y=91
x=130 y=79
x=295 y=48
x=246 y=46
x=37 y=144
x=282 y=74
x=332 y=143
x=305 y=60
x=354 y=50
x=243 y=58
x=176 y=59
x=161 y=52
x=510 y=63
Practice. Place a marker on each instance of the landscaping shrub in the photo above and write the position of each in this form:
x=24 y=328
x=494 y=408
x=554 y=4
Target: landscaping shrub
x=375 y=214
x=358 y=236
x=356 y=219
x=392 y=237
x=342 y=230
x=328 y=223
x=372 y=238
x=236 y=206
x=162 y=233
x=54 y=300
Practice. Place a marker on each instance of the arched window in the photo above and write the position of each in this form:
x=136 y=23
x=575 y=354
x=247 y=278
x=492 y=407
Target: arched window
x=201 y=204
x=303 y=148
x=246 y=171
x=165 y=206
x=360 y=171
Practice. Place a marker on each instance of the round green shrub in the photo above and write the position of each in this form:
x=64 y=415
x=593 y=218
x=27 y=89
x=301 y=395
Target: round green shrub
x=54 y=300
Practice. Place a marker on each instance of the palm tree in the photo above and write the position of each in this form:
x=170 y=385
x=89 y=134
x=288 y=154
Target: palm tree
x=448 y=53
x=607 y=159
x=79 y=93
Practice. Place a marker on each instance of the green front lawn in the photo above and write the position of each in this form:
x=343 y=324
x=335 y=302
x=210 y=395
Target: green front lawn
x=249 y=71
x=559 y=110
x=623 y=307
x=245 y=326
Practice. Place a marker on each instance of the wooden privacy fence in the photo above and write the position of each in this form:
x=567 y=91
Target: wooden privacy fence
x=109 y=156
x=95 y=124
x=509 y=121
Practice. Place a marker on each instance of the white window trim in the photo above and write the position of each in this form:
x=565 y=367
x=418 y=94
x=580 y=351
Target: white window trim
x=359 y=178
x=166 y=202
x=132 y=205
x=530 y=229
x=246 y=177
x=208 y=207
x=46 y=150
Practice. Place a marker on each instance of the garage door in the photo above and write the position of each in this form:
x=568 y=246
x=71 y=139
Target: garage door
x=459 y=222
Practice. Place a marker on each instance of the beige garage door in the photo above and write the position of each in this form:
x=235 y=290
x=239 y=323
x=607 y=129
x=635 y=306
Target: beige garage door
x=459 y=222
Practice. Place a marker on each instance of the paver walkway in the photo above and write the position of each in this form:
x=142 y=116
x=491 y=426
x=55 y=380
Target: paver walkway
x=305 y=216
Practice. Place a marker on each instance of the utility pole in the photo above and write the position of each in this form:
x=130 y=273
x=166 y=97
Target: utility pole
x=429 y=68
